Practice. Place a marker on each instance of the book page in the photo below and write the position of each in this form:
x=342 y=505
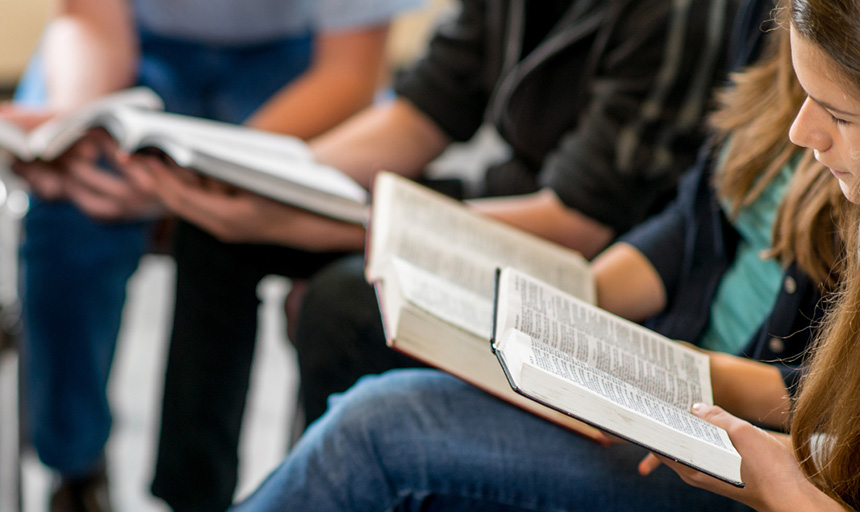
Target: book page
x=54 y=137
x=214 y=134
x=624 y=350
x=14 y=140
x=460 y=245
x=535 y=354
x=454 y=304
x=273 y=159
x=608 y=372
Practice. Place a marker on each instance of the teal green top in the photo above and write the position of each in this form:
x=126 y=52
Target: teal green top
x=750 y=285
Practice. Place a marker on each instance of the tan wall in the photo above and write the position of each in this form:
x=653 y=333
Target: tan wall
x=410 y=32
x=21 y=22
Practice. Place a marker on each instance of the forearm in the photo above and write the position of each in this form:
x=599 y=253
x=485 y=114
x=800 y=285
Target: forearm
x=750 y=389
x=395 y=136
x=627 y=283
x=544 y=215
x=89 y=49
x=303 y=231
x=803 y=496
x=343 y=78
x=800 y=495
x=313 y=104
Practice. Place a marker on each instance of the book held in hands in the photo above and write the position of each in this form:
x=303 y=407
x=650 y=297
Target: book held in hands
x=276 y=166
x=432 y=262
x=576 y=358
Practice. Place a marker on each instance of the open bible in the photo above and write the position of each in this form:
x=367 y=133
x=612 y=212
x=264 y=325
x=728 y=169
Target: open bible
x=53 y=137
x=279 y=167
x=432 y=262
x=614 y=374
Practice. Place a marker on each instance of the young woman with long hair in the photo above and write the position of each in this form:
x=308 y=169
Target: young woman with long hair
x=419 y=439
x=824 y=473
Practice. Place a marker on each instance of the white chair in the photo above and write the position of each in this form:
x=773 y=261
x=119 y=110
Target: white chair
x=13 y=205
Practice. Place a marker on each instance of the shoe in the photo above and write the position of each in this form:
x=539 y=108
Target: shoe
x=85 y=494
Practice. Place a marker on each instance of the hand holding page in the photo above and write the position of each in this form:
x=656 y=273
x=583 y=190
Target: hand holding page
x=608 y=372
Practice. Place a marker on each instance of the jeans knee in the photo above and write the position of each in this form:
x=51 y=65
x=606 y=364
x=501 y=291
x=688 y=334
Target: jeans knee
x=378 y=402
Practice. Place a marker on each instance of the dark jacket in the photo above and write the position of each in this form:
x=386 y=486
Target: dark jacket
x=605 y=109
x=691 y=245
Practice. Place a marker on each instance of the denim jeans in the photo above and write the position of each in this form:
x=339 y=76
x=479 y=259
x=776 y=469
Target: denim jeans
x=75 y=270
x=423 y=440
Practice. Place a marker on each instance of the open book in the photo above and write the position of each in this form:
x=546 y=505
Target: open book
x=432 y=261
x=52 y=138
x=276 y=166
x=614 y=374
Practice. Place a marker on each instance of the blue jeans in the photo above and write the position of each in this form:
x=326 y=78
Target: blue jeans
x=423 y=440
x=75 y=270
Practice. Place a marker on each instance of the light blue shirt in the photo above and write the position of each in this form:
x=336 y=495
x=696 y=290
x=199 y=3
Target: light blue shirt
x=239 y=22
x=750 y=285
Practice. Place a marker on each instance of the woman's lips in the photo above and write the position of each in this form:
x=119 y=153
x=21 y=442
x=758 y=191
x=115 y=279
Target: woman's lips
x=839 y=174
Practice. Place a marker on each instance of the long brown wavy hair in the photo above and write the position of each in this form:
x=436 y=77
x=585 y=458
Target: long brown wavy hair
x=826 y=420
x=754 y=116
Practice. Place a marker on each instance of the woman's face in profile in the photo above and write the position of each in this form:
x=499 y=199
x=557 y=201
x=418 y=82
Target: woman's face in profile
x=829 y=120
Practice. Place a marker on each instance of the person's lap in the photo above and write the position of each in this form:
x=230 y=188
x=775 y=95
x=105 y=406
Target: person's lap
x=423 y=440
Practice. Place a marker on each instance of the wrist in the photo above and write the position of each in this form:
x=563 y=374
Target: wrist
x=803 y=495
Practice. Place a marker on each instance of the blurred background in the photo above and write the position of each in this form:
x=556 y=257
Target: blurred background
x=21 y=21
x=137 y=373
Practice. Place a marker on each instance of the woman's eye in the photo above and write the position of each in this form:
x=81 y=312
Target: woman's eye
x=838 y=120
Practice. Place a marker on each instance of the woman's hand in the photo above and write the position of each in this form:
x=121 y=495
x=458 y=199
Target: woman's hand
x=773 y=480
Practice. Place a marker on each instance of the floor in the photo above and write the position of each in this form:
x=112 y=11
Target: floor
x=135 y=391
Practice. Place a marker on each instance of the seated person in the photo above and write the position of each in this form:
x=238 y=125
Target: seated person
x=600 y=112
x=295 y=67
x=420 y=439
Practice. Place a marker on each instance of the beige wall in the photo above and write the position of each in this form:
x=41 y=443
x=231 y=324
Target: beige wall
x=410 y=32
x=21 y=23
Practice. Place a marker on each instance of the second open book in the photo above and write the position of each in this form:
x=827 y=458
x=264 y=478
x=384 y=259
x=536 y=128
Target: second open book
x=276 y=166
x=433 y=263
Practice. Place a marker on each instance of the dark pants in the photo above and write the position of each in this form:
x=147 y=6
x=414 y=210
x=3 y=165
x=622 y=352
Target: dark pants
x=75 y=269
x=339 y=337
x=209 y=362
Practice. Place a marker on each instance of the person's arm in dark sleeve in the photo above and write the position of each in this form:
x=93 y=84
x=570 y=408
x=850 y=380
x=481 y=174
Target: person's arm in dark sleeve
x=448 y=84
x=641 y=124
